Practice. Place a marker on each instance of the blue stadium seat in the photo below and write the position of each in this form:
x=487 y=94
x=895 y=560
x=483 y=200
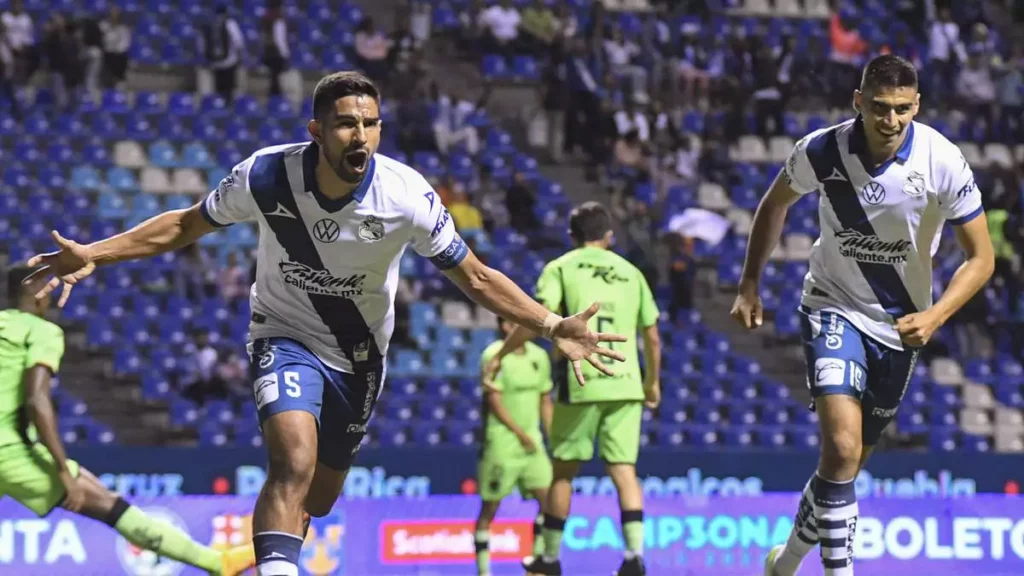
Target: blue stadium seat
x=213 y=105
x=162 y=153
x=122 y=179
x=494 y=67
x=195 y=155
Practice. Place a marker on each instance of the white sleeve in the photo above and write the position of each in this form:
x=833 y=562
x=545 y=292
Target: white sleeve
x=231 y=202
x=798 y=172
x=433 y=232
x=959 y=197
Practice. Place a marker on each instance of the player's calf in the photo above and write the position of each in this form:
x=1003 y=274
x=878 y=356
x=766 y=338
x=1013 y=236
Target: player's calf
x=631 y=504
x=291 y=439
x=482 y=536
x=835 y=500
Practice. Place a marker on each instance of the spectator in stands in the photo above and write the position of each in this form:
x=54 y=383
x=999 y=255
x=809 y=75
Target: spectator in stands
x=468 y=219
x=556 y=99
x=976 y=88
x=222 y=45
x=848 y=53
x=117 y=39
x=206 y=384
x=415 y=125
x=500 y=27
x=232 y=279
x=690 y=70
x=945 y=51
x=622 y=56
x=1011 y=97
x=20 y=33
x=90 y=37
x=811 y=76
x=471 y=28
x=520 y=200
x=767 y=93
x=7 y=64
x=584 y=102
x=686 y=160
x=62 y=58
x=276 y=51
x=420 y=21
x=656 y=46
x=234 y=373
x=404 y=57
x=371 y=50
x=682 y=273
x=785 y=58
x=451 y=122
x=629 y=155
x=568 y=25
x=540 y=28
x=632 y=119
x=715 y=164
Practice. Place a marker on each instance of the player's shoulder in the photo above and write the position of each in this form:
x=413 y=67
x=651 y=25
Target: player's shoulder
x=492 y=348
x=36 y=327
x=244 y=167
x=818 y=137
x=942 y=150
x=402 y=185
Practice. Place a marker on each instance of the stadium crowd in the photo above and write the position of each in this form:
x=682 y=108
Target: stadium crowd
x=655 y=99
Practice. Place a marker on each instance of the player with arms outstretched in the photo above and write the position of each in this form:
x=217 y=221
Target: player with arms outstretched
x=34 y=469
x=516 y=404
x=609 y=409
x=887 y=185
x=335 y=218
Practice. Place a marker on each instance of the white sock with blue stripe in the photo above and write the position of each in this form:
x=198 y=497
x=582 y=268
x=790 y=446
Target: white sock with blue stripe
x=277 y=553
x=836 y=511
x=804 y=536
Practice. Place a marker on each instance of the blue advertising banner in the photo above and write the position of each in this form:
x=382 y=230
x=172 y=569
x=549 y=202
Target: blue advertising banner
x=434 y=536
x=413 y=472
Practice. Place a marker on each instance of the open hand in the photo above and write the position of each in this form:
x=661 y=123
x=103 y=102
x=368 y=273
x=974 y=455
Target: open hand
x=576 y=342
x=69 y=266
x=748 y=309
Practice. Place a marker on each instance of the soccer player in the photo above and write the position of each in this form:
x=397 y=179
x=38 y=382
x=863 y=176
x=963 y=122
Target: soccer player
x=334 y=218
x=34 y=469
x=887 y=185
x=609 y=409
x=516 y=404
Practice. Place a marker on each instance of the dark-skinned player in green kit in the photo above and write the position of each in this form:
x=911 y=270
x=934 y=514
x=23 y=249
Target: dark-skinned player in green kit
x=34 y=469
x=605 y=409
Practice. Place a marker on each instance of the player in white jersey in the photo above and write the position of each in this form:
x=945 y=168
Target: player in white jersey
x=334 y=218
x=887 y=185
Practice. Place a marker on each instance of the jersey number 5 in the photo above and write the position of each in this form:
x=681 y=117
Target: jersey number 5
x=291 y=382
x=606 y=324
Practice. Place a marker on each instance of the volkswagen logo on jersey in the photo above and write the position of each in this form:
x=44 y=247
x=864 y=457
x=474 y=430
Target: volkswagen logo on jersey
x=326 y=231
x=873 y=192
x=371 y=229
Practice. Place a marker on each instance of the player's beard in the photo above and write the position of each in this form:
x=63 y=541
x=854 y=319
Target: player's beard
x=340 y=167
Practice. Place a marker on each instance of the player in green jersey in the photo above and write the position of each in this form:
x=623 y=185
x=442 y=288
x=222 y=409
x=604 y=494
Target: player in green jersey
x=516 y=404
x=608 y=409
x=33 y=467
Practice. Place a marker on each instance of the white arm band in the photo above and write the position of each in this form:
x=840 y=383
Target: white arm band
x=550 y=322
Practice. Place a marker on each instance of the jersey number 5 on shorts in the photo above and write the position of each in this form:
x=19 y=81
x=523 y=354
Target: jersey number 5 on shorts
x=266 y=388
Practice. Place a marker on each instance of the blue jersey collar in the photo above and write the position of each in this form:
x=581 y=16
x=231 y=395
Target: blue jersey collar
x=858 y=145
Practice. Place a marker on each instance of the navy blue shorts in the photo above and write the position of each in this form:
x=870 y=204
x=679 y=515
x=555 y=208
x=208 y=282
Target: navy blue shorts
x=288 y=376
x=842 y=360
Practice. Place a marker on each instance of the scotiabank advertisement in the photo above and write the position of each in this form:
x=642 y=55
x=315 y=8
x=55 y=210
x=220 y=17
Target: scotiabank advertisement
x=433 y=536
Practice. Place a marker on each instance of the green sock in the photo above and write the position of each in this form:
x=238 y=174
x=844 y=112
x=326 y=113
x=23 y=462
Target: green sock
x=166 y=540
x=633 y=531
x=538 y=540
x=483 y=553
x=553 y=528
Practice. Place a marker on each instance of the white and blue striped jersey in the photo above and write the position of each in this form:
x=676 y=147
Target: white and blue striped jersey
x=879 y=227
x=327 y=270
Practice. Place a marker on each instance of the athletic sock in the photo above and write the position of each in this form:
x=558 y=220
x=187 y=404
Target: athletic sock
x=160 y=537
x=553 y=528
x=277 y=553
x=633 y=532
x=538 y=538
x=804 y=536
x=835 y=509
x=482 y=539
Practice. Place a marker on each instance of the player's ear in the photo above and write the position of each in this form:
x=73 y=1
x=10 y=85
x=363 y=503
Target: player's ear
x=857 y=95
x=314 y=130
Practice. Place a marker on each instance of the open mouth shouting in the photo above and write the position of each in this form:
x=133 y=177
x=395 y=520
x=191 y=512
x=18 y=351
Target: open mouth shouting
x=357 y=161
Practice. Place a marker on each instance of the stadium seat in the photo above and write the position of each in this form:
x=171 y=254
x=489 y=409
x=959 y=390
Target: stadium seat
x=188 y=181
x=155 y=181
x=129 y=154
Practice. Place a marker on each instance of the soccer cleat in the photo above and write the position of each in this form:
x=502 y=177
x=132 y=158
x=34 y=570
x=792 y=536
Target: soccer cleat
x=631 y=567
x=537 y=566
x=769 y=561
x=234 y=561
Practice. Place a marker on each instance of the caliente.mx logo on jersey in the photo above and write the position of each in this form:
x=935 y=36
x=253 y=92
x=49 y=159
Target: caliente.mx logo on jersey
x=321 y=281
x=872 y=249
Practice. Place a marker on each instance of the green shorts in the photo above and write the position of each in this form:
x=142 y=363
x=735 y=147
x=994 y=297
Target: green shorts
x=497 y=476
x=615 y=425
x=29 y=475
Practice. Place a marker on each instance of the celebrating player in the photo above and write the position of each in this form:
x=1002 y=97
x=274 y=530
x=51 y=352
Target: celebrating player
x=517 y=403
x=610 y=407
x=335 y=218
x=33 y=467
x=887 y=184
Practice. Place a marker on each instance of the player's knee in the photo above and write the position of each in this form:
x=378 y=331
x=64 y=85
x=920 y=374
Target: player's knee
x=841 y=450
x=292 y=471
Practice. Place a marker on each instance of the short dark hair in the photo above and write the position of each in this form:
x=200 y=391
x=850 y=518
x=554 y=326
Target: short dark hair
x=888 y=71
x=15 y=276
x=589 y=222
x=339 y=85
